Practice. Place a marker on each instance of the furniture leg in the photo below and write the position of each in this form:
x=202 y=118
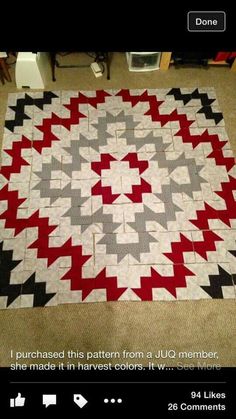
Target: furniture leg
x=233 y=67
x=53 y=64
x=5 y=69
x=108 y=65
x=1 y=76
x=165 y=60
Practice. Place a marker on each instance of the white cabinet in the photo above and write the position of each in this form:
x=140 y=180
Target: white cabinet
x=32 y=70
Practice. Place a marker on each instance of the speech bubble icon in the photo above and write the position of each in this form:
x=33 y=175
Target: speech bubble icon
x=49 y=399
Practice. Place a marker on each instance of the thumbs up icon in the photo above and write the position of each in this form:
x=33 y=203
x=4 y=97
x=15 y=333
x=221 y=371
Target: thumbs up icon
x=18 y=401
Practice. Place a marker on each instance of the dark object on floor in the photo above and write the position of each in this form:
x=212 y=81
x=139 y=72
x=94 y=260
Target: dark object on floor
x=191 y=62
x=193 y=59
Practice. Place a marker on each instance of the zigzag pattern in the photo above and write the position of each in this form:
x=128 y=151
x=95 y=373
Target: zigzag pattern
x=170 y=283
x=29 y=287
x=209 y=114
x=216 y=144
x=135 y=99
x=101 y=281
x=164 y=119
x=224 y=215
x=52 y=254
x=75 y=116
x=45 y=100
x=186 y=97
x=38 y=290
x=99 y=97
x=221 y=160
x=19 y=109
x=17 y=160
x=186 y=245
x=178 y=95
x=217 y=282
x=205 y=101
x=111 y=213
x=7 y=264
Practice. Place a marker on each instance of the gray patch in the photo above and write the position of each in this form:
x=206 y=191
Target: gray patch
x=124 y=249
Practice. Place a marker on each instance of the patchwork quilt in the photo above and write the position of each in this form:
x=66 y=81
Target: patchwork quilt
x=116 y=195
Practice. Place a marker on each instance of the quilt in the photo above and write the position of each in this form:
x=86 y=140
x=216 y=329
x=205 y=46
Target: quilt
x=114 y=195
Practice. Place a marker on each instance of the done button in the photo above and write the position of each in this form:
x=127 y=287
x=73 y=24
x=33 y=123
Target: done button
x=206 y=21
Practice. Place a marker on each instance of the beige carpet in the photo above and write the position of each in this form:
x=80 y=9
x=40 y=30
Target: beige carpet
x=182 y=326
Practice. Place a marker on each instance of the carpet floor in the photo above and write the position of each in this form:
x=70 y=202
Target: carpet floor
x=182 y=325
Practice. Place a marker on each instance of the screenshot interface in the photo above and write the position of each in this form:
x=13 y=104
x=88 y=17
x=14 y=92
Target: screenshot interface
x=118 y=220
